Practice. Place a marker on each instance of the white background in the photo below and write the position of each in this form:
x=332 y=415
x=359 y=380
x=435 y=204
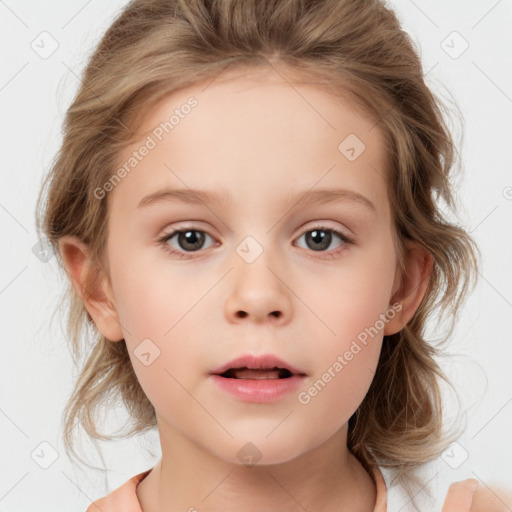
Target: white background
x=36 y=372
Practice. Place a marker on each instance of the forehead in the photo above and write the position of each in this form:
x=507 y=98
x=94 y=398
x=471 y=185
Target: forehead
x=258 y=125
x=257 y=91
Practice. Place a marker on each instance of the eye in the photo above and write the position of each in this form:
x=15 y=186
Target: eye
x=190 y=240
x=187 y=240
x=320 y=238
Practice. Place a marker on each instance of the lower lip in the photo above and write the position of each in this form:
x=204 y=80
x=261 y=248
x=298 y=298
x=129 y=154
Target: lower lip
x=258 y=390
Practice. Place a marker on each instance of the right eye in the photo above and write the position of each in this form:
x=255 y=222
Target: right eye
x=188 y=240
x=322 y=237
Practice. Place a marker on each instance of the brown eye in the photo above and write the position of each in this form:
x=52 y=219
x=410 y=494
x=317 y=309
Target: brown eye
x=319 y=239
x=187 y=240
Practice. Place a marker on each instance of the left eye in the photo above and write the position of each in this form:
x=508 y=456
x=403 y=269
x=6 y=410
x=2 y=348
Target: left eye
x=190 y=240
x=319 y=239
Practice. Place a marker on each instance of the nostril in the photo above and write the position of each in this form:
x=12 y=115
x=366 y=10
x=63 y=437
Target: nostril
x=243 y=314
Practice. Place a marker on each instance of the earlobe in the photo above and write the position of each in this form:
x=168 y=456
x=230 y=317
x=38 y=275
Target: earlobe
x=419 y=264
x=92 y=286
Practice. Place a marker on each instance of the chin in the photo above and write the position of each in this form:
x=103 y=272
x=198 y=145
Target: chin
x=255 y=450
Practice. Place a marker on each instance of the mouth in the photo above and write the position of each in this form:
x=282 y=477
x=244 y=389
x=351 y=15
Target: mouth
x=258 y=378
x=257 y=374
x=257 y=367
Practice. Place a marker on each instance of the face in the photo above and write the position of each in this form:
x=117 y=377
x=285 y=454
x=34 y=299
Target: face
x=294 y=257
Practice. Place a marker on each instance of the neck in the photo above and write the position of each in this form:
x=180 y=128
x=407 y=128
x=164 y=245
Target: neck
x=188 y=478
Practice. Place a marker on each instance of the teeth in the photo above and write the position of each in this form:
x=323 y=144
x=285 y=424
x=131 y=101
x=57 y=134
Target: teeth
x=247 y=373
x=255 y=374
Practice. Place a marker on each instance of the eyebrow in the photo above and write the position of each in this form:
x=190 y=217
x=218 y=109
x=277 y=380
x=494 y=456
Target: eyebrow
x=184 y=195
x=304 y=198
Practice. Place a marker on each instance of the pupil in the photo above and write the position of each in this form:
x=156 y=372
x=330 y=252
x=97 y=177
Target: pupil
x=319 y=237
x=193 y=238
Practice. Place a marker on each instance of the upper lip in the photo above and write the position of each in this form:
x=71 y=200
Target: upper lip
x=257 y=362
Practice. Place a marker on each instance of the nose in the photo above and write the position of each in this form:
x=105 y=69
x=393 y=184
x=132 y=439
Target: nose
x=259 y=293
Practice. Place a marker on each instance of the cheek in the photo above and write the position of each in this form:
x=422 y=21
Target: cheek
x=164 y=353
x=352 y=307
x=346 y=360
x=154 y=300
x=334 y=395
x=353 y=297
x=159 y=317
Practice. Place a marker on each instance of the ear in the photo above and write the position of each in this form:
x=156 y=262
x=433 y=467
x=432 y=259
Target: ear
x=98 y=301
x=410 y=291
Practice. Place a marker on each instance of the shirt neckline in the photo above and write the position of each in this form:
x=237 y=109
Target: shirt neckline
x=380 y=500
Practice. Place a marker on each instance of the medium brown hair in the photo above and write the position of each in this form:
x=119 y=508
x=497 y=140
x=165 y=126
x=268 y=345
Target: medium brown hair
x=353 y=48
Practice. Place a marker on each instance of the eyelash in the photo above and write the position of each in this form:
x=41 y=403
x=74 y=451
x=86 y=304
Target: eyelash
x=347 y=240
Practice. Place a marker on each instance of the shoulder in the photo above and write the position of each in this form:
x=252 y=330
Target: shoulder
x=123 y=498
x=492 y=499
x=462 y=497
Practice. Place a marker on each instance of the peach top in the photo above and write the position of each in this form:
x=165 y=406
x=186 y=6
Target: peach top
x=125 y=498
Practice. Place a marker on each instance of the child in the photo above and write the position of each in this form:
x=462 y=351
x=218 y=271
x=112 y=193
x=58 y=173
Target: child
x=279 y=375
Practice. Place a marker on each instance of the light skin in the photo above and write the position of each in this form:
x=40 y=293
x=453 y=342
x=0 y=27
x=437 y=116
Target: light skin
x=472 y=496
x=257 y=139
